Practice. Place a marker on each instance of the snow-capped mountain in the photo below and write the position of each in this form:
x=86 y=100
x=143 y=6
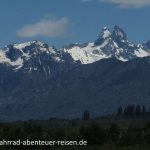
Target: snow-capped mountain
x=40 y=81
x=109 y=44
x=39 y=57
x=34 y=57
x=18 y=54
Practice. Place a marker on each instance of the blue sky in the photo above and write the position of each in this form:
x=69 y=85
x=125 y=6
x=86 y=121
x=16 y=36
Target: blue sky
x=61 y=22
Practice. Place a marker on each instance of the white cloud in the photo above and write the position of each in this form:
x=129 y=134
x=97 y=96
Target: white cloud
x=126 y=3
x=49 y=26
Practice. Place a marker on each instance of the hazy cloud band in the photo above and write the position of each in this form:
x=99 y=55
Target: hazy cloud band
x=125 y=3
x=49 y=27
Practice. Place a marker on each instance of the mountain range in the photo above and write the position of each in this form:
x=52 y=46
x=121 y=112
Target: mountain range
x=40 y=81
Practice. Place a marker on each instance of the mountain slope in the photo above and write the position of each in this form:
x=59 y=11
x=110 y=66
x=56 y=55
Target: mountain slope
x=100 y=87
x=31 y=62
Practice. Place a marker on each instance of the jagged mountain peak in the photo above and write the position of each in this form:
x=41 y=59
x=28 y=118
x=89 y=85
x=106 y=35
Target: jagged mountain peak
x=31 y=48
x=31 y=45
x=119 y=35
x=105 y=33
x=29 y=56
x=24 y=44
x=112 y=43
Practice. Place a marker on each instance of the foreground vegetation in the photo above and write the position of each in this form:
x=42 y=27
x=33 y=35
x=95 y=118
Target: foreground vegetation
x=115 y=132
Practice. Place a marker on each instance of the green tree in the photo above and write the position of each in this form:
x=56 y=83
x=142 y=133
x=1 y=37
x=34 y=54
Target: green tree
x=93 y=134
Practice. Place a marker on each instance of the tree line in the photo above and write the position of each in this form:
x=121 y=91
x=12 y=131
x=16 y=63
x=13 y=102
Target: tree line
x=133 y=111
x=128 y=111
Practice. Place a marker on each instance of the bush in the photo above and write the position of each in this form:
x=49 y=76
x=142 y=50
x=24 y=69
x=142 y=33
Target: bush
x=93 y=134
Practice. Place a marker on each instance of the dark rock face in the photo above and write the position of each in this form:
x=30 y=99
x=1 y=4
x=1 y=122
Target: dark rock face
x=120 y=37
x=116 y=44
x=13 y=54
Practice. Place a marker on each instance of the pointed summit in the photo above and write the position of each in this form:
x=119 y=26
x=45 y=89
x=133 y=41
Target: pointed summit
x=104 y=35
x=120 y=37
x=119 y=34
